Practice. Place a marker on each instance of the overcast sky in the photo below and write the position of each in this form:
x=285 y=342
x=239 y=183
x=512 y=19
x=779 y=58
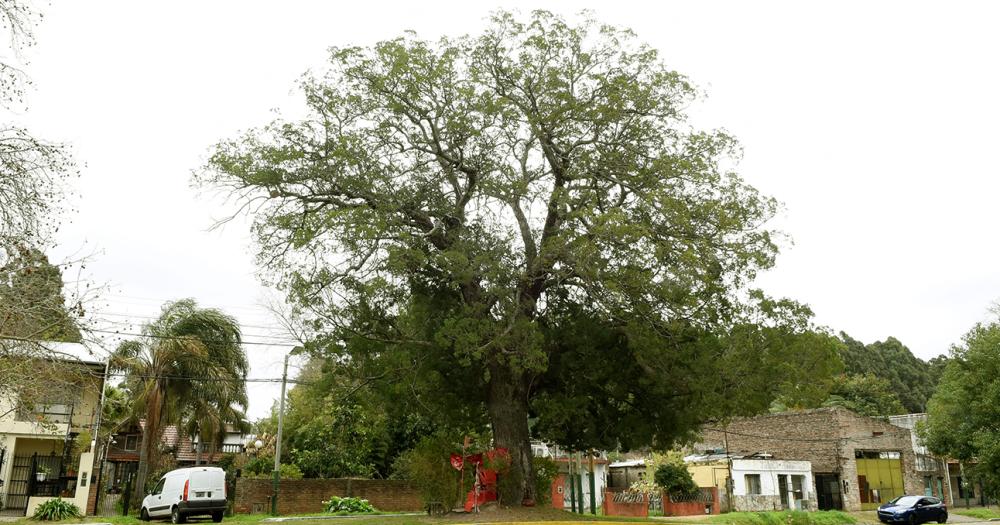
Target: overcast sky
x=874 y=123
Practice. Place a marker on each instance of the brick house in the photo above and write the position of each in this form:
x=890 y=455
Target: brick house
x=858 y=462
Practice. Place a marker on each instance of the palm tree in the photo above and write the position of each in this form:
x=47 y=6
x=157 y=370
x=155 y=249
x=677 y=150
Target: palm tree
x=190 y=360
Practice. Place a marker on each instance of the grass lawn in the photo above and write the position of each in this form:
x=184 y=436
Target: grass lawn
x=823 y=517
x=518 y=515
x=982 y=514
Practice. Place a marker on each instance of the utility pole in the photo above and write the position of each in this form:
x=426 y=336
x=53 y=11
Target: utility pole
x=277 y=441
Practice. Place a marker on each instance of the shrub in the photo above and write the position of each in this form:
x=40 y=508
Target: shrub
x=675 y=479
x=546 y=470
x=56 y=510
x=351 y=505
x=427 y=465
x=264 y=470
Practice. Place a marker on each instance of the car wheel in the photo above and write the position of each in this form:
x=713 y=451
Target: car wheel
x=217 y=517
x=176 y=516
x=943 y=518
x=913 y=520
x=143 y=515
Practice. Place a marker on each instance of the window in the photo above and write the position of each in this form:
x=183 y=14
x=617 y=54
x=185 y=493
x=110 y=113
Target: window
x=131 y=442
x=875 y=454
x=159 y=487
x=797 y=491
x=753 y=484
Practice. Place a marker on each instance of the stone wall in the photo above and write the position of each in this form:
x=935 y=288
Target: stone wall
x=757 y=503
x=300 y=496
x=826 y=437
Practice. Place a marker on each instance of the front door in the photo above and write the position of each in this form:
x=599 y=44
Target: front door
x=828 y=492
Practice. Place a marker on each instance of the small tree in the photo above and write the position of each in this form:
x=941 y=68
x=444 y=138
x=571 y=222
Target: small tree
x=674 y=479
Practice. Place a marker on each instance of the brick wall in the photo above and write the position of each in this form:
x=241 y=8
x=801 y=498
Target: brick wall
x=92 y=496
x=692 y=508
x=636 y=509
x=300 y=496
x=826 y=437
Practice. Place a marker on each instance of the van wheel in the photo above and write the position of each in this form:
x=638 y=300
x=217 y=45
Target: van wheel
x=177 y=517
x=217 y=517
x=143 y=515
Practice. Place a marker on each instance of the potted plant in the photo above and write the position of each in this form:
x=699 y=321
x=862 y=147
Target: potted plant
x=42 y=472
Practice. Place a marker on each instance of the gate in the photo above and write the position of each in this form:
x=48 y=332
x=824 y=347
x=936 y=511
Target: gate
x=14 y=496
x=114 y=489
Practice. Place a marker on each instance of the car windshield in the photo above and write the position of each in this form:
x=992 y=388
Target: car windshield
x=905 y=501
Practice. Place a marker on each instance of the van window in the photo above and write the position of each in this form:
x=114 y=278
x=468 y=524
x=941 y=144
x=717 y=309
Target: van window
x=159 y=487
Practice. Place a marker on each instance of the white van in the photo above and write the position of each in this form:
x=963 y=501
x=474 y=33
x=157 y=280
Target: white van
x=195 y=491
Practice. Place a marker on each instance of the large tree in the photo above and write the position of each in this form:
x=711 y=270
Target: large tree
x=32 y=170
x=190 y=360
x=962 y=415
x=909 y=376
x=449 y=211
x=32 y=303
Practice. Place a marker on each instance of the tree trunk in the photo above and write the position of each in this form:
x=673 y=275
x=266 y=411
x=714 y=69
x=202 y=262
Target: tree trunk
x=139 y=490
x=150 y=437
x=508 y=410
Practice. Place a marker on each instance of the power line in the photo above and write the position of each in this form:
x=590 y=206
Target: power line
x=171 y=337
x=283 y=338
x=194 y=378
x=153 y=317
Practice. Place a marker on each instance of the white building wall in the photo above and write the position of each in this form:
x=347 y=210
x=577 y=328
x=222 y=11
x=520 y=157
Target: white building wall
x=769 y=471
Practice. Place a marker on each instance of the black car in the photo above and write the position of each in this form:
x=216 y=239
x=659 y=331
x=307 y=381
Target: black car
x=913 y=510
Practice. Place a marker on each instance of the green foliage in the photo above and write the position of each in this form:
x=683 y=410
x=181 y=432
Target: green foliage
x=427 y=465
x=909 y=377
x=348 y=505
x=674 y=478
x=32 y=304
x=868 y=395
x=263 y=467
x=823 y=517
x=184 y=341
x=962 y=416
x=447 y=213
x=546 y=470
x=56 y=510
x=333 y=428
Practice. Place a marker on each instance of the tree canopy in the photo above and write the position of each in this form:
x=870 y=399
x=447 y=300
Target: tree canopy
x=963 y=413
x=189 y=362
x=909 y=377
x=32 y=304
x=865 y=394
x=451 y=214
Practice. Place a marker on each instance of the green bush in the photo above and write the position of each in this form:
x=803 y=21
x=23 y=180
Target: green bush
x=674 y=478
x=427 y=465
x=350 y=505
x=262 y=469
x=546 y=471
x=56 y=510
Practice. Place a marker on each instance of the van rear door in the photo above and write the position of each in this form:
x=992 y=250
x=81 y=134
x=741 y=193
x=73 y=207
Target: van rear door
x=207 y=484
